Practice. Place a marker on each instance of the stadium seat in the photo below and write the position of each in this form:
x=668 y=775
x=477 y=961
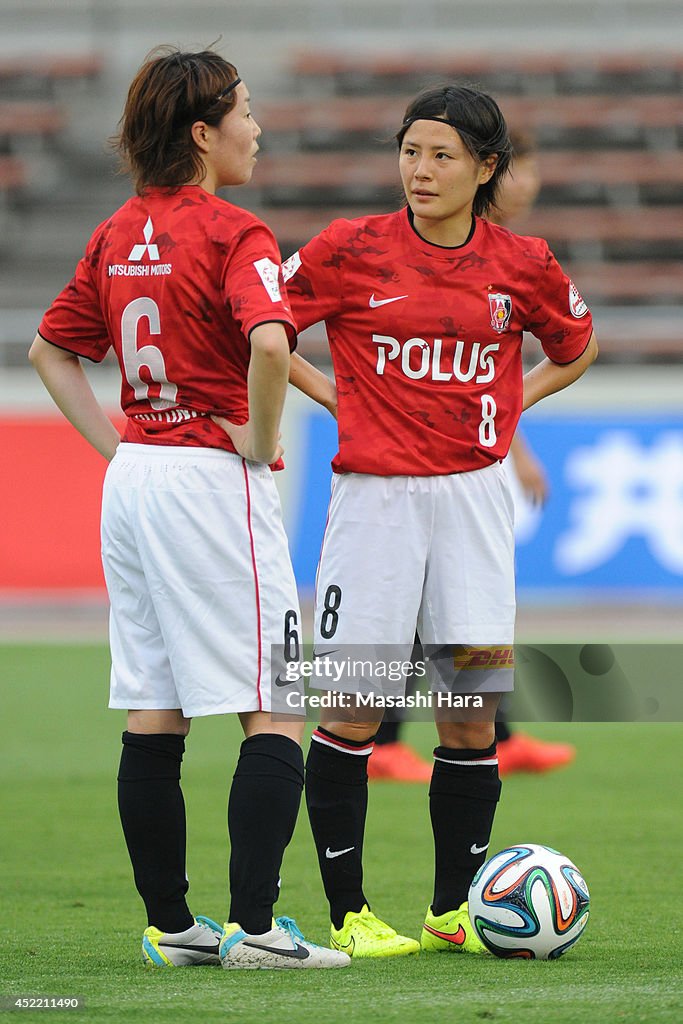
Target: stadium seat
x=534 y=73
x=26 y=119
x=42 y=74
x=13 y=174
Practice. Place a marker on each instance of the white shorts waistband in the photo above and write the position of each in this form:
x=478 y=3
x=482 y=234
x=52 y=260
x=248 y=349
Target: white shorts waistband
x=174 y=451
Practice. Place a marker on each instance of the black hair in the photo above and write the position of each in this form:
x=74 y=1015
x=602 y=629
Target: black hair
x=478 y=121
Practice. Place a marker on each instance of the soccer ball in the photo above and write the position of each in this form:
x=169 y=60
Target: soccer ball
x=529 y=901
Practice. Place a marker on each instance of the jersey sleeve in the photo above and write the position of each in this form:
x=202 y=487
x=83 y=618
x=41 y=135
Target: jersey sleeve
x=313 y=275
x=75 y=320
x=558 y=316
x=253 y=286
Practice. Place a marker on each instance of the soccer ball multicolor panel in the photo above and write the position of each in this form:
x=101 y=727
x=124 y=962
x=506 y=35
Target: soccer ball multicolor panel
x=529 y=901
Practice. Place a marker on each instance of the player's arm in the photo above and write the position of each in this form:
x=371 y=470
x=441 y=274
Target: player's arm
x=258 y=439
x=548 y=377
x=529 y=470
x=313 y=383
x=63 y=376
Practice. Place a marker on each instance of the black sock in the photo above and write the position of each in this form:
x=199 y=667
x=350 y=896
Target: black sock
x=152 y=813
x=503 y=731
x=337 y=801
x=462 y=803
x=262 y=811
x=387 y=733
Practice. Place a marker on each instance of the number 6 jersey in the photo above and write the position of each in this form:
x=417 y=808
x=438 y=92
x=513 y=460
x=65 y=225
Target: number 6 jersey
x=426 y=340
x=174 y=281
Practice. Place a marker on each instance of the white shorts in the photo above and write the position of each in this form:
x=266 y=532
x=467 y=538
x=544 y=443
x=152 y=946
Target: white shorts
x=434 y=552
x=199 y=577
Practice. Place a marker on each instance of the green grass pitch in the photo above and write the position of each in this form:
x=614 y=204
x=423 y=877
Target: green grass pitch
x=71 y=921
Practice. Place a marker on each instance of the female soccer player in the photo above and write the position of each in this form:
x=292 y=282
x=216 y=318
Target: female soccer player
x=186 y=289
x=425 y=310
x=517 y=751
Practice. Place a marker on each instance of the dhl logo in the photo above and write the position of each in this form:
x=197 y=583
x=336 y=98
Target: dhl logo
x=484 y=657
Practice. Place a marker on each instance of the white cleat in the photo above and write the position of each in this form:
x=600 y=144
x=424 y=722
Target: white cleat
x=194 y=947
x=282 y=948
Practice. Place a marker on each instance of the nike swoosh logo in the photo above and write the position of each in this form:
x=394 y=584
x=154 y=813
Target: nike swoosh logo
x=348 y=948
x=298 y=953
x=331 y=854
x=283 y=682
x=195 y=949
x=374 y=303
x=457 y=938
x=324 y=654
x=478 y=849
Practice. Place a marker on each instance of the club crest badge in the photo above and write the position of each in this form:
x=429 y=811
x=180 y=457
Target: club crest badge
x=500 y=307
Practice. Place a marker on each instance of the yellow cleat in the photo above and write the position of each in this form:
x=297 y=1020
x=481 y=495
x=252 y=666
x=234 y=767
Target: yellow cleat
x=364 y=935
x=451 y=932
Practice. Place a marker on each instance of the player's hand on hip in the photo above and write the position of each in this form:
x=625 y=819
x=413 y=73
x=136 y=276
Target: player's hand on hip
x=246 y=444
x=532 y=478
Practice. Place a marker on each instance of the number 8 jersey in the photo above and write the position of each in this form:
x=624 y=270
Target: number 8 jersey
x=174 y=281
x=426 y=341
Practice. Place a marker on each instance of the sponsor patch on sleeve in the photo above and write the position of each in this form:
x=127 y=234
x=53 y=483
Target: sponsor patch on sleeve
x=268 y=272
x=577 y=307
x=290 y=266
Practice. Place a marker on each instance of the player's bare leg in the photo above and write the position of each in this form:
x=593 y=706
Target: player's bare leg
x=263 y=722
x=465 y=789
x=167 y=721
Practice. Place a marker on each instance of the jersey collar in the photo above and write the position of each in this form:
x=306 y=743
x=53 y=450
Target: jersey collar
x=431 y=248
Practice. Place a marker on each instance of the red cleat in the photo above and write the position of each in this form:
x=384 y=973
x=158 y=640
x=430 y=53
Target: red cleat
x=523 y=753
x=397 y=762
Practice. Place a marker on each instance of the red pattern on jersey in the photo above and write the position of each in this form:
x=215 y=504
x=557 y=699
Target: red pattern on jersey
x=426 y=341
x=188 y=258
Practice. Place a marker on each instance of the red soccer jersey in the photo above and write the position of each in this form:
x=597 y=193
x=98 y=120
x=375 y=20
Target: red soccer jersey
x=174 y=282
x=426 y=340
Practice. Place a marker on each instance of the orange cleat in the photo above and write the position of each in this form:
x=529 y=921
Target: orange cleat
x=397 y=762
x=524 y=753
